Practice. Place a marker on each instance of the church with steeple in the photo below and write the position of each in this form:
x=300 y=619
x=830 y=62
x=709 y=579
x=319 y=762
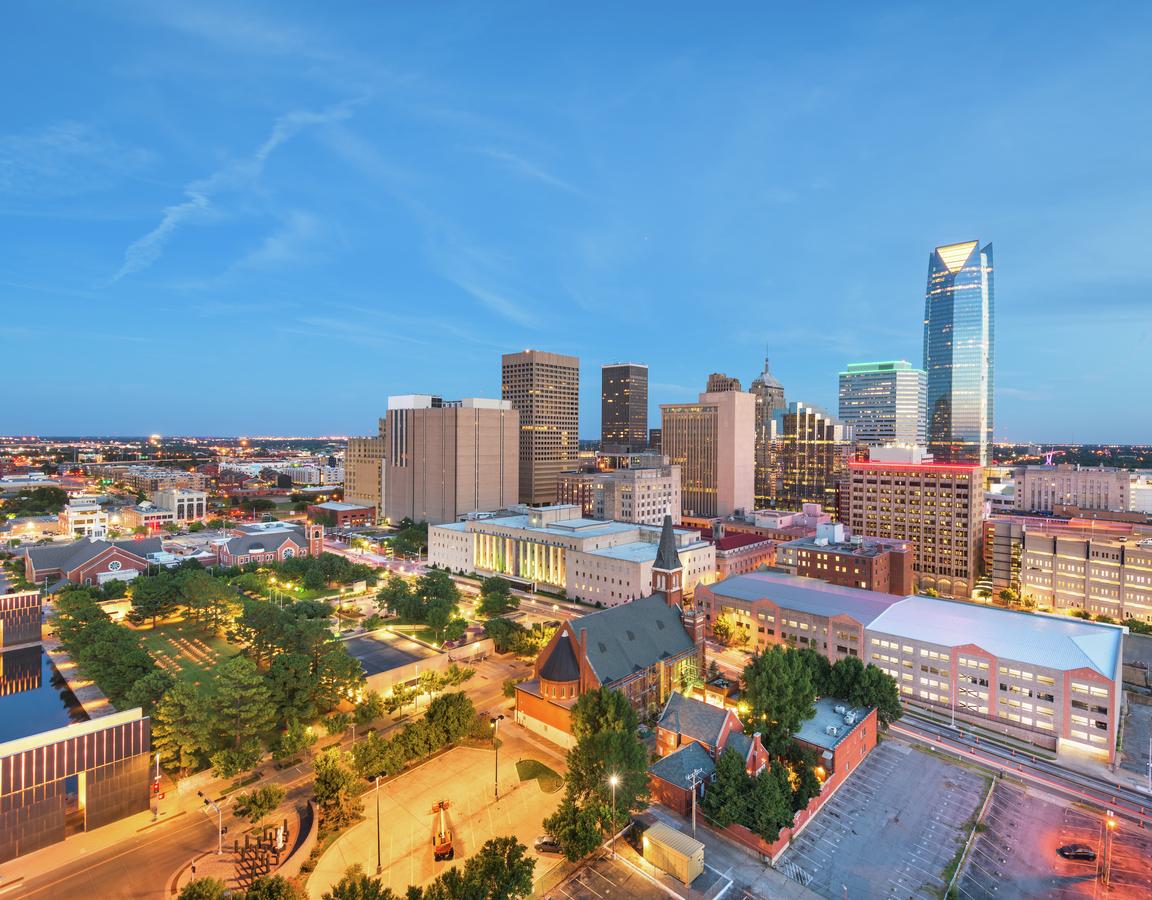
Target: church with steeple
x=645 y=649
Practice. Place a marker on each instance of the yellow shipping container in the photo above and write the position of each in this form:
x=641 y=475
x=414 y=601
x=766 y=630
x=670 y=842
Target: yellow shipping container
x=674 y=852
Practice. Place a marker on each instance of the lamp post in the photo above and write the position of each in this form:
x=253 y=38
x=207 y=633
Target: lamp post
x=613 y=780
x=379 y=862
x=1109 y=827
x=496 y=720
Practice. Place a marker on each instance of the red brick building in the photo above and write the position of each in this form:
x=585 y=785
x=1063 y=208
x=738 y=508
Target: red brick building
x=884 y=565
x=89 y=561
x=342 y=515
x=267 y=542
x=739 y=552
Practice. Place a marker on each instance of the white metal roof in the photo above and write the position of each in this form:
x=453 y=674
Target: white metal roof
x=1055 y=642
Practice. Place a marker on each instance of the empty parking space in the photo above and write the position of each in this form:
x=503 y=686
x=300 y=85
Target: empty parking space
x=604 y=877
x=911 y=804
x=1016 y=854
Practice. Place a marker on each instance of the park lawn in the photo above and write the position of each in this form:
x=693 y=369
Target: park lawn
x=550 y=781
x=186 y=650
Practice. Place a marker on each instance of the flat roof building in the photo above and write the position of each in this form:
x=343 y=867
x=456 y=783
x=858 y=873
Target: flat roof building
x=624 y=406
x=544 y=390
x=884 y=402
x=874 y=564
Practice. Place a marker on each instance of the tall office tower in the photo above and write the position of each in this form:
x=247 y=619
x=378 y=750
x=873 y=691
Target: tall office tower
x=364 y=471
x=812 y=453
x=769 y=394
x=884 y=402
x=447 y=458
x=713 y=441
x=655 y=440
x=623 y=407
x=718 y=381
x=936 y=506
x=544 y=388
x=959 y=352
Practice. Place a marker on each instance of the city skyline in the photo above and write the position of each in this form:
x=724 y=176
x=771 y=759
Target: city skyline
x=309 y=195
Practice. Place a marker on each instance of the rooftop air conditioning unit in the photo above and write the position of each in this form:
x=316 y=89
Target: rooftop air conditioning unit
x=832 y=730
x=840 y=709
x=850 y=719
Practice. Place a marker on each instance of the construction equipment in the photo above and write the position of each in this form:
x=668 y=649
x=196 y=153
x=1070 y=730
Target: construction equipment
x=441 y=835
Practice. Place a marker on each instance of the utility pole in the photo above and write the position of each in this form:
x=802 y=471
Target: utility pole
x=209 y=803
x=695 y=779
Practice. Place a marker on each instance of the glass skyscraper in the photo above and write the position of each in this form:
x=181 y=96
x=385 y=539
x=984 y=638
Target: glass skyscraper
x=884 y=402
x=959 y=352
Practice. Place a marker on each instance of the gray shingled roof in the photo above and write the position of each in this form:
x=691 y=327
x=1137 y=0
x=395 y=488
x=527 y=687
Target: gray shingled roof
x=693 y=719
x=676 y=767
x=561 y=664
x=243 y=545
x=631 y=637
x=666 y=556
x=69 y=556
x=739 y=742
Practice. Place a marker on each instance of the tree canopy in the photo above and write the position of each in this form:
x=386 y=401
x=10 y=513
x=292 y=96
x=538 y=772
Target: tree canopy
x=780 y=695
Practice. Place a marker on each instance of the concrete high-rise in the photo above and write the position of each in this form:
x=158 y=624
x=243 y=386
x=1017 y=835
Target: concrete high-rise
x=769 y=394
x=959 y=352
x=544 y=389
x=884 y=402
x=364 y=471
x=938 y=507
x=624 y=407
x=448 y=458
x=713 y=442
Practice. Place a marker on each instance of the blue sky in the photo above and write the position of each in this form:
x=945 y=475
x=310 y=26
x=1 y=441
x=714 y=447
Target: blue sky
x=266 y=218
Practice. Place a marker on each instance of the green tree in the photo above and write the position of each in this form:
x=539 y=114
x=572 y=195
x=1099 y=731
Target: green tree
x=208 y=598
x=1009 y=596
x=180 y=729
x=229 y=762
x=149 y=690
x=576 y=829
x=371 y=706
x=496 y=597
x=727 y=798
x=770 y=802
x=153 y=596
x=844 y=676
x=203 y=889
x=272 y=887
x=819 y=670
x=259 y=803
x=292 y=688
x=505 y=633
x=438 y=585
x=724 y=629
x=877 y=688
x=396 y=596
x=296 y=738
x=438 y=613
x=780 y=696
x=355 y=885
x=337 y=790
x=500 y=870
x=241 y=705
x=451 y=716
x=607 y=745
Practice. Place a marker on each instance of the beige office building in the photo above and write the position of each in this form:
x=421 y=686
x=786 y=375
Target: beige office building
x=445 y=458
x=713 y=441
x=544 y=389
x=1043 y=488
x=1103 y=569
x=936 y=507
x=364 y=471
x=641 y=495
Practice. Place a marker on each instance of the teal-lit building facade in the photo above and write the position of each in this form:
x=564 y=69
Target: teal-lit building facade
x=959 y=352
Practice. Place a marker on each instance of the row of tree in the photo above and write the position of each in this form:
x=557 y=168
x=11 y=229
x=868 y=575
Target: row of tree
x=450 y=717
x=203 y=597
x=765 y=802
x=510 y=636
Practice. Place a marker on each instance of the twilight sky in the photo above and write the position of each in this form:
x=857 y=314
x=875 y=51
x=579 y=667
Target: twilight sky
x=264 y=218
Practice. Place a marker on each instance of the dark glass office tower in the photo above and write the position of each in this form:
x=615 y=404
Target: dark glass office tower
x=624 y=407
x=959 y=352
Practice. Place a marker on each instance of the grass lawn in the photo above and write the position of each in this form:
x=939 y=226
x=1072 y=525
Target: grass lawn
x=549 y=780
x=185 y=650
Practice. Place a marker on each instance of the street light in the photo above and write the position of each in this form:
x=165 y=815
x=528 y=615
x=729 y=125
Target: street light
x=613 y=780
x=1109 y=827
x=379 y=863
x=220 y=829
x=495 y=721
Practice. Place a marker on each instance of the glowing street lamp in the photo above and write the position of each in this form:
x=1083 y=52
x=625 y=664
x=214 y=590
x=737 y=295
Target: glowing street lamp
x=613 y=780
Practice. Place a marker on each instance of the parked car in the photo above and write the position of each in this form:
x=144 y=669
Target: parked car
x=547 y=844
x=1077 y=851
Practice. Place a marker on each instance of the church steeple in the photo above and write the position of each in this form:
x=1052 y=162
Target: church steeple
x=667 y=570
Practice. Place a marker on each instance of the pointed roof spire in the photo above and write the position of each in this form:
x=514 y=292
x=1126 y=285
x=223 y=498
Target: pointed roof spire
x=667 y=559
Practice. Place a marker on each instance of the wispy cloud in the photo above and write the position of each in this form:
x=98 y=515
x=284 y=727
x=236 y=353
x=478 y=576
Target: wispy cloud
x=526 y=168
x=293 y=242
x=64 y=158
x=237 y=176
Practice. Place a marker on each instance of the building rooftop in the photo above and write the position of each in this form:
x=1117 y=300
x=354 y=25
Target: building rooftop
x=865 y=547
x=1054 y=642
x=693 y=718
x=337 y=506
x=830 y=725
x=806 y=595
x=631 y=637
x=677 y=768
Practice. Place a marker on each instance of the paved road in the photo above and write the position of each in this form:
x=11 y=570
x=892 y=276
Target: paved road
x=132 y=869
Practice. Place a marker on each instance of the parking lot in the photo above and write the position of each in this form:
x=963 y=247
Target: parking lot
x=891 y=830
x=462 y=776
x=604 y=877
x=1137 y=733
x=1015 y=856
